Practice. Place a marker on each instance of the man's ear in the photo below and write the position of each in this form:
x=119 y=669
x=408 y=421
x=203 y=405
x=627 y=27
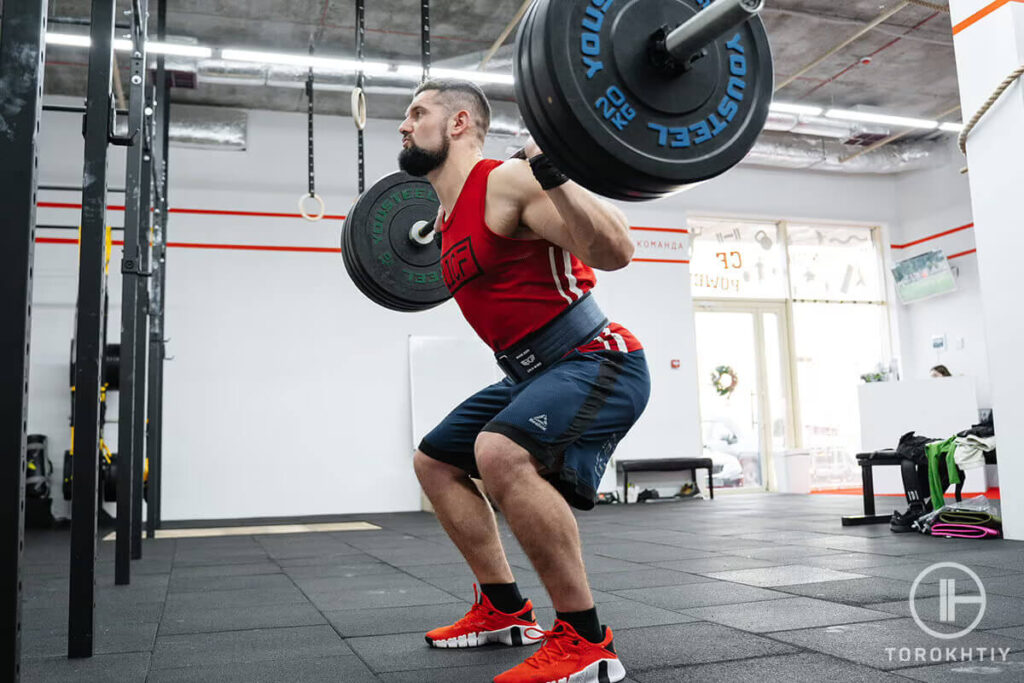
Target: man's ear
x=460 y=123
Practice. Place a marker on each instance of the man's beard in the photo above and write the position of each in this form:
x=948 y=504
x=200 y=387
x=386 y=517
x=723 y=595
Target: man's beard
x=418 y=162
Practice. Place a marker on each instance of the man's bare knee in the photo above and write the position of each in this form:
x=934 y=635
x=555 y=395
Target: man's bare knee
x=432 y=472
x=501 y=462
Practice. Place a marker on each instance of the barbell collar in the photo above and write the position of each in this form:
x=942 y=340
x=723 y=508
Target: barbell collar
x=685 y=43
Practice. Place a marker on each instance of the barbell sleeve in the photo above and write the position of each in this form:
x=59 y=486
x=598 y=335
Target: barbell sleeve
x=709 y=24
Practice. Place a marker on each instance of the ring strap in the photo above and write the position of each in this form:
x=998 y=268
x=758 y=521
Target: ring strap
x=360 y=80
x=309 y=95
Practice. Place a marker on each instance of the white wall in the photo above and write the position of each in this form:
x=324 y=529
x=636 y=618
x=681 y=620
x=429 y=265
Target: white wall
x=929 y=203
x=288 y=392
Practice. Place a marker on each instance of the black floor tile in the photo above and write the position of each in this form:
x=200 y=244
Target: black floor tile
x=786 y=614
x=392 y=620
x=878 y=643
x=123 y=668
x=231 y=647
x=218 y=570
x=283 y=595
x=657 y=647
x=409 y=652
x=795 y=668
x=699 y=595
x=1001 y=611
x=108 y=638
x=644 y=578
x=377 y=598
x=191 y=619
x=345 y=669
x=1009 y=669
x=860 y=591
x=200 y=584
x=624 y=614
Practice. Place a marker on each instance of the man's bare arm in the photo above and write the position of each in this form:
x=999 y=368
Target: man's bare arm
x=570 y=216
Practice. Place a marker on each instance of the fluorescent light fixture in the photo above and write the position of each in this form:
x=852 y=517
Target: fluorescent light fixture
x=179 y=50
x=124 y=45
x=951 y=127
x=285 y=59
x=471 y=75
x=414 y=71
x=67 y=39
x=789 y=108
x=885 y=119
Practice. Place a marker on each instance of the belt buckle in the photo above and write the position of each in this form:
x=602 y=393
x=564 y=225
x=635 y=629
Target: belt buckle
x=508 y=367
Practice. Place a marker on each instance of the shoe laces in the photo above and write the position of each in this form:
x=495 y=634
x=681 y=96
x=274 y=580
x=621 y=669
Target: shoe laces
x=477 y=614
x=557 y=645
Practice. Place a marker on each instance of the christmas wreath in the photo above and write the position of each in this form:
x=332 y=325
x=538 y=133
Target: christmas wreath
x=725 y=380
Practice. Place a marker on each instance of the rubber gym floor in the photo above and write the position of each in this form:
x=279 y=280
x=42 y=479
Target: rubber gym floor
x=742 y=588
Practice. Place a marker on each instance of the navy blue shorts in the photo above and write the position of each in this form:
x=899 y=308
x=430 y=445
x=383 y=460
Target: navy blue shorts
x=570 y=419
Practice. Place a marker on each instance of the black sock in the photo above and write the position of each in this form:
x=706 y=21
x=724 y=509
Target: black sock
x=585 y=623
x=504 y=596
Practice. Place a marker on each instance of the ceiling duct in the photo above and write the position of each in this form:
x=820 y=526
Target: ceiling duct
x=204 y=127
x=219 y=71
x=802 y=151
x=783 y=150
x=790 y=141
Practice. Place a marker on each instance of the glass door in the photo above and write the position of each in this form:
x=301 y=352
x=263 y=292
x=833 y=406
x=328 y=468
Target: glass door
x=745 y=389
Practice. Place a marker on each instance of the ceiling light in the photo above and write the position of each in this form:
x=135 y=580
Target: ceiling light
x=464 y=74
x=67 y=39
x=885 y=119
x=179 y=50
x=285 y=59
x=789 y=108
x=951 y=127
x=123 y=44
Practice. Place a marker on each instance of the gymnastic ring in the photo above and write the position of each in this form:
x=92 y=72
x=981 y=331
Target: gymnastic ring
x=312 y=216
x=359 y=108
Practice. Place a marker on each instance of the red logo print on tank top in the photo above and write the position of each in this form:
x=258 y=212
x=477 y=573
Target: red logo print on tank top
x=459 y=265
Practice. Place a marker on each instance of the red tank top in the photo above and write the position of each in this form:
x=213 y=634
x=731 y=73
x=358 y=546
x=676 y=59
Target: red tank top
x=508 y=288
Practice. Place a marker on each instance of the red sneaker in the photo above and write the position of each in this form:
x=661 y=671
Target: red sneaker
x=568 y=656
x=484 y=624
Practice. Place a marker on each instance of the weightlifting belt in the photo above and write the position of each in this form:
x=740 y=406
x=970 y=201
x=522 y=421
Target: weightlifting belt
x=575 y=326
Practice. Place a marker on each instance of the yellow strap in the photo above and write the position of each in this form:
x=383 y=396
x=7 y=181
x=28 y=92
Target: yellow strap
x=108 y=240
x=110 y=245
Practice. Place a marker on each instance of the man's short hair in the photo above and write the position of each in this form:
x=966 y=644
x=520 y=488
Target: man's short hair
x=460 y=94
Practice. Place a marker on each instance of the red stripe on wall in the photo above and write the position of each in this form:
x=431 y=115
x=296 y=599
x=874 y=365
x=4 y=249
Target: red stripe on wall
x=678 y=231
x=253 y=247
x=933 y=237
x=256 y=214
x=963 y=253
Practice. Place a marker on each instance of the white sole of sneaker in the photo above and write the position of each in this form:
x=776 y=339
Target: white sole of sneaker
x=513 y=635
x=601 y=671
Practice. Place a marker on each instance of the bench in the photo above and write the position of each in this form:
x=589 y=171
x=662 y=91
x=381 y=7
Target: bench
x=665 y=465
x=880 y=458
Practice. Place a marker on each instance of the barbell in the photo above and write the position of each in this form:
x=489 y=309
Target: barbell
x=632 y=99
x=635 y=99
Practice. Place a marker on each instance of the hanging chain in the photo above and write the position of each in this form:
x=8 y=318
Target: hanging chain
x=425 y=33
x=309 y=96
x=360 y=80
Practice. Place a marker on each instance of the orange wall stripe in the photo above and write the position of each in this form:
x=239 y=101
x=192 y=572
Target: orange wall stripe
x=678 y=231
x=981 y=14
x=253 y=247
x=963 y=253
x=933 y=237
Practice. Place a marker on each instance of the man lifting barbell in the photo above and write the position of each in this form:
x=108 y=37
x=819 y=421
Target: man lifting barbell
x=519 y=242
x=629 y=103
